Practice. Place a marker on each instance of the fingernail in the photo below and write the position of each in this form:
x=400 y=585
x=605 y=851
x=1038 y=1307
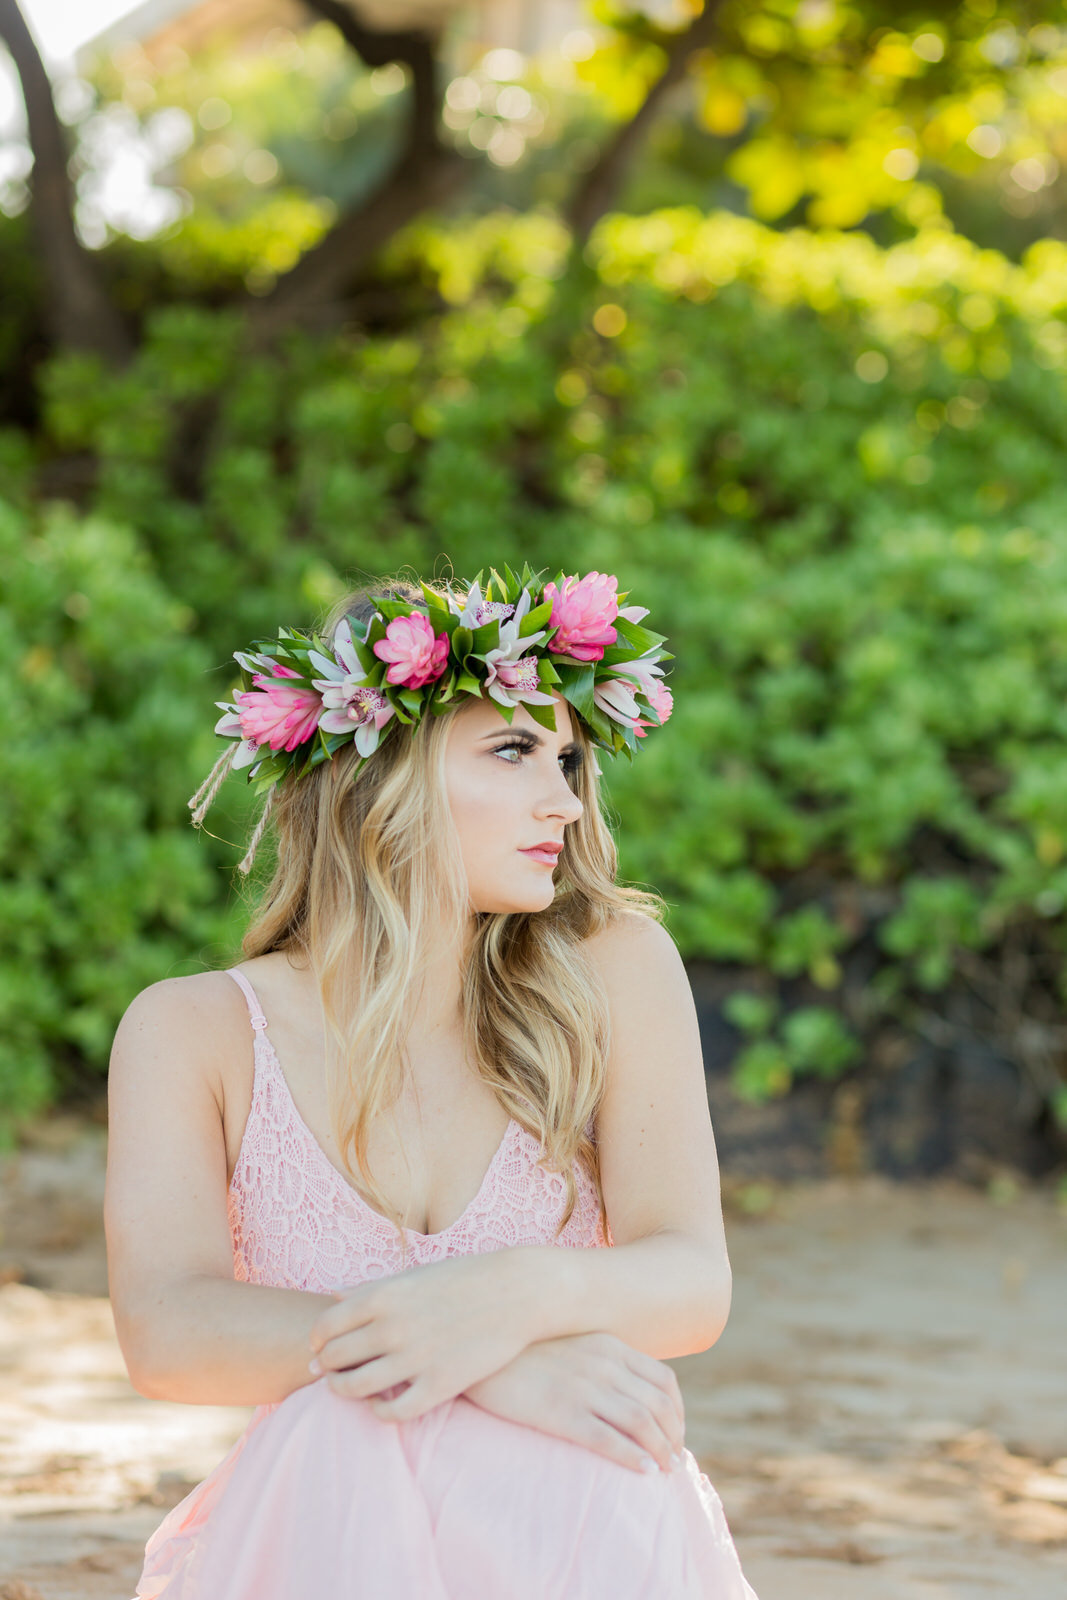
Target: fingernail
x=677 y=1459
x=315 y=1366
x=648 y=1464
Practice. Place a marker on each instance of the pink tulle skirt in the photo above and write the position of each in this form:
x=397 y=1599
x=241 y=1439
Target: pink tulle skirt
x=321 y=1500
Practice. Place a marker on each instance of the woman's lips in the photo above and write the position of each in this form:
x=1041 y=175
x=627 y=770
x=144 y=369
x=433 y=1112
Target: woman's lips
x=549 y=857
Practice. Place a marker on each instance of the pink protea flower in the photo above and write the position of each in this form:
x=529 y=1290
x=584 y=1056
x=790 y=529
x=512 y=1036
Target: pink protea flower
x=279 y=714
x=417 y=656
x=583 y=612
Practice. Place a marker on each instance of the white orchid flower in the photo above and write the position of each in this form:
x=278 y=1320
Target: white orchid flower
x=230 y=725
x=475 y=611
x=512 y=671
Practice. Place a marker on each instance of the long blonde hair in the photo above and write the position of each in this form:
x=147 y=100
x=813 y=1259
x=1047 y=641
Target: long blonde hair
x=367 y=867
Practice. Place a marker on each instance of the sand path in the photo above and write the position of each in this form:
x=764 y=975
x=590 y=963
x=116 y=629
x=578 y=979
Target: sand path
x=885 y=1417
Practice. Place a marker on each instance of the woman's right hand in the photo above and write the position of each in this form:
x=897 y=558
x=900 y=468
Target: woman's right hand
x=595 y=1390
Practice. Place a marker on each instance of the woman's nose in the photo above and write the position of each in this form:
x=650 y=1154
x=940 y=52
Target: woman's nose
x=561 y=801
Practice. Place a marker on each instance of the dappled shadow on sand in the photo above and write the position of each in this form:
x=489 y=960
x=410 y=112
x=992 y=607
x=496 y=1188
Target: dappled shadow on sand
x=885 y=1417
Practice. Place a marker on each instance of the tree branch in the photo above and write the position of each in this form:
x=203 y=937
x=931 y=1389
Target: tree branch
x=418 y=51
x=424 y=175
x=78 y=313
x=596 y=193
x=322 y=271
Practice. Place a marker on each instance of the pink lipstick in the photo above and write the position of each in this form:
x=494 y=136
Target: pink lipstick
x=547 y=852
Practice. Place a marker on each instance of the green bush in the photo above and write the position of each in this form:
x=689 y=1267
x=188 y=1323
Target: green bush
x=834 y=473
x=105 y=886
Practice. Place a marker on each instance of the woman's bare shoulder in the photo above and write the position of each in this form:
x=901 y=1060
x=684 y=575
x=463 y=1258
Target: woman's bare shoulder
x=194 y=1018
x=629 y=945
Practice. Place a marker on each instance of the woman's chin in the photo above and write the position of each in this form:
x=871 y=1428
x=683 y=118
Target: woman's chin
x=529 y=899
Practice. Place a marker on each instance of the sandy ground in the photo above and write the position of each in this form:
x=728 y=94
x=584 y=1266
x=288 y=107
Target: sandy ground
x=885 y=1417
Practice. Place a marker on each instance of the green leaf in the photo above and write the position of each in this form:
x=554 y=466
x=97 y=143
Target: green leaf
x=485 y=638
x=577 y=687
x=537 y=618
x=544 y=715
x=641 y=638
x=391 y=609
x=503 y=588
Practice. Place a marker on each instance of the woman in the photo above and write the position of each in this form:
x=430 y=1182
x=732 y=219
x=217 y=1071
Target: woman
x=445 y=1219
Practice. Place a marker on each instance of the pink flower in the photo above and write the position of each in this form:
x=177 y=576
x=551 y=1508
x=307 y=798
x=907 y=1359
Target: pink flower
x=583 y=613
x=661 y=700
x=276 y=713
x=418 y=656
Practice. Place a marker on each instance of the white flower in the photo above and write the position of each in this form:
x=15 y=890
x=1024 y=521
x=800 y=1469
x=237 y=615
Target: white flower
x=254 y=664
x=347 y=698
x=512 y=674
x=615 y=698
x=366 y=711
x=475 y=611
x=249 y=749
x=643 y=671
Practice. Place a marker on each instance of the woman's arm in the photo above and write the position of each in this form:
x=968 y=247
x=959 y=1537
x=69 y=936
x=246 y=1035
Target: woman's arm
x=666 y=1288
x=187 y=1330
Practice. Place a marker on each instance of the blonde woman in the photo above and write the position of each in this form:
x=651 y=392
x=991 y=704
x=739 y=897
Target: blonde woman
x=428 y=1177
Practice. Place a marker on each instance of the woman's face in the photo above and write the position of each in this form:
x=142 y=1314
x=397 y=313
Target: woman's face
x=508 y=792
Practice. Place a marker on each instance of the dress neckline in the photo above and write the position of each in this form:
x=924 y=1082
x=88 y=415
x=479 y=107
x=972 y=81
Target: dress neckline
x=262 y=1041
x=416 y=1233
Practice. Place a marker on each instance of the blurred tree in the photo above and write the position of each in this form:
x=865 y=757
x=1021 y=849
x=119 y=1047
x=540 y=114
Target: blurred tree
x=80 y=314
x=839 y=114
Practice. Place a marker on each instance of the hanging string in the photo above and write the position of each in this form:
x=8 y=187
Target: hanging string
x=204 y=798
x=246 y=865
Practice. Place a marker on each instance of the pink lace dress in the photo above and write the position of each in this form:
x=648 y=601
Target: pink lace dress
x=320 y=1499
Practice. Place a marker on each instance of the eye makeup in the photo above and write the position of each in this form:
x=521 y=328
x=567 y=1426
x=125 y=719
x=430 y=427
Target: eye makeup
x=571 y=757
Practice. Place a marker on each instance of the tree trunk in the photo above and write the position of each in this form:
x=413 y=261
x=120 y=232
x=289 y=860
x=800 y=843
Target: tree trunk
x=78 y=313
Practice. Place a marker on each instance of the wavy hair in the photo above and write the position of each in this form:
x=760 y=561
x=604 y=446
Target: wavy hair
x=368 y=869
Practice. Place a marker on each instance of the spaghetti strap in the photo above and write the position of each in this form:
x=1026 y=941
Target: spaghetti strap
x=255 y=1010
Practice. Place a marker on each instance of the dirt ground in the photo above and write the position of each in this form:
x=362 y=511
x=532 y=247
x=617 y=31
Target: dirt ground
x=885 y=1417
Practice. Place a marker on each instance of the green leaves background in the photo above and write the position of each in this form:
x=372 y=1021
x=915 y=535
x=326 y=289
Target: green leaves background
x=833 y=474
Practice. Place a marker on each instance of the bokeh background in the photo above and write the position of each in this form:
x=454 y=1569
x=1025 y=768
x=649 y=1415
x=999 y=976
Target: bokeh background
x=761 y=306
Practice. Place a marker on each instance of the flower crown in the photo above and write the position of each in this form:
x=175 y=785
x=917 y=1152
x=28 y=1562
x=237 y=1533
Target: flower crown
x=303 y=699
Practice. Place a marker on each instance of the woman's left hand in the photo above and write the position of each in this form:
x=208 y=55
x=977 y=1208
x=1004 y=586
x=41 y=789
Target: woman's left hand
x=437 y=1328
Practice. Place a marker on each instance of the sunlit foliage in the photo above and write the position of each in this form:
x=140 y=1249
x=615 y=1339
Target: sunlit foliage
x=834 y=473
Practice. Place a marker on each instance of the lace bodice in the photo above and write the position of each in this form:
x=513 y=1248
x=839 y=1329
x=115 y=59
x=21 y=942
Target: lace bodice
x=296 y=1222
